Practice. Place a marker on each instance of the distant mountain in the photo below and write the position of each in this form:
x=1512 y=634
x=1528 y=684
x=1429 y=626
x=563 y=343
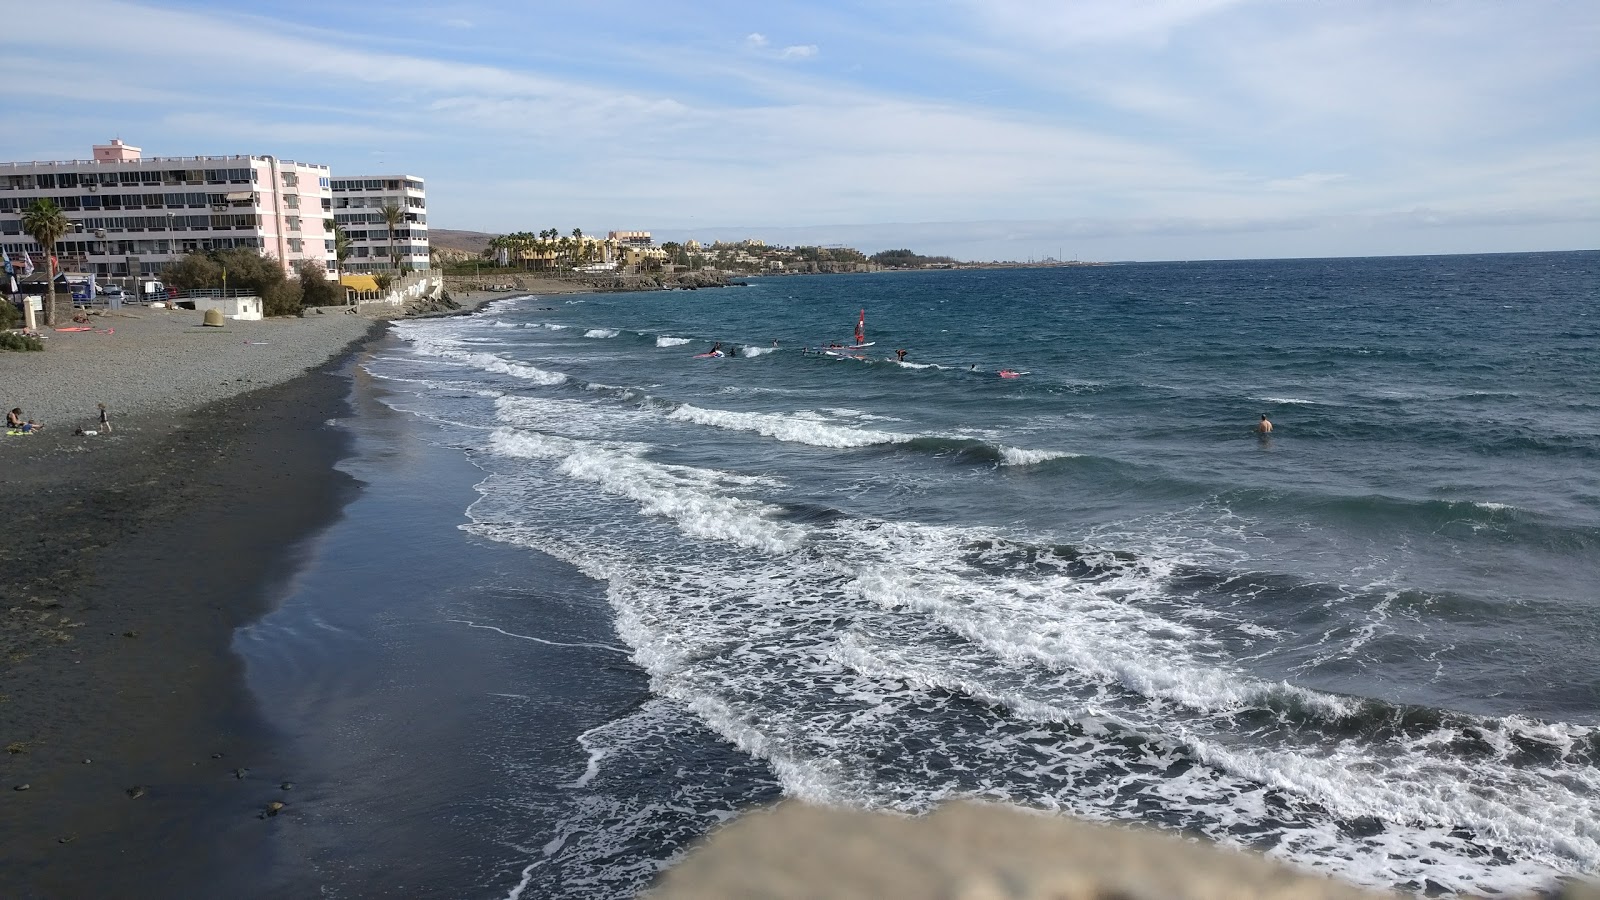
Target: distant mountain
x=469 y=242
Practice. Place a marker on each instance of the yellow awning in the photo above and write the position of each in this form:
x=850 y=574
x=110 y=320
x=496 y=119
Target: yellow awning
x=359 y=282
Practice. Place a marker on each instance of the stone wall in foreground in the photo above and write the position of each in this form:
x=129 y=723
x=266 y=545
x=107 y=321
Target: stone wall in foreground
x=976 y=852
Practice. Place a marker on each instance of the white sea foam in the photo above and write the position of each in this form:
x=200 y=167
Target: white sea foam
x=444 y=347
x=691 y=497
x=601 y=333
x=1014 y=456
x=793 y=428
x=862 y=617
x=1063 y=622
x=575 y=418
x=1287 y=401
x=757 y=351
x=1097 y=693
x=665 y=341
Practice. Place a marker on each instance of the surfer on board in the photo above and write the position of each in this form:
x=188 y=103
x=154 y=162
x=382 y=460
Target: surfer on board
x=900 y=355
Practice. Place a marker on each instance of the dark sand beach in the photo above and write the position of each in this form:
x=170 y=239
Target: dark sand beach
x=129 y=560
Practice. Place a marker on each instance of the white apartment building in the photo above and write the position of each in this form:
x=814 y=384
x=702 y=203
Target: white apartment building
x=358 y=208
x=132 y=215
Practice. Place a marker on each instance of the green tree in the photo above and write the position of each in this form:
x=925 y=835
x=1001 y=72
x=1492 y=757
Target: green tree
x=192 y=271
x=242 y=270
x=46 y=223
x=393 y=215
x=341 y=248
x=315 y=288
x=283 y=298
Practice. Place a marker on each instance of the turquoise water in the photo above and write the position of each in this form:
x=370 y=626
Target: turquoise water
x=1363 y=644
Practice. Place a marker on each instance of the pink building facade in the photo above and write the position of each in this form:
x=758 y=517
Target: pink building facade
x=133 y=215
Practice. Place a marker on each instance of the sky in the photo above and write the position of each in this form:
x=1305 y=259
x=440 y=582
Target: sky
x=980 y=129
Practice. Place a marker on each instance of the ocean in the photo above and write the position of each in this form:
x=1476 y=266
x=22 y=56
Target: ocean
x=1364 y=644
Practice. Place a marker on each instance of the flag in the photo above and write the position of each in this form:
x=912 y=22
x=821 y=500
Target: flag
x=27 y=264
x=7 y=257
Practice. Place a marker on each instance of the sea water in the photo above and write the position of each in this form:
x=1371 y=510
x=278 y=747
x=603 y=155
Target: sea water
x=1364 y=643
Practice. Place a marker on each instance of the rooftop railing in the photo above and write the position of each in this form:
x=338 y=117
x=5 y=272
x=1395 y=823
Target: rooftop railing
x=153 y=160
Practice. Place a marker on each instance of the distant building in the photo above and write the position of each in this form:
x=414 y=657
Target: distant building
x=631 y=238
x=133 y=215
x=358 y=208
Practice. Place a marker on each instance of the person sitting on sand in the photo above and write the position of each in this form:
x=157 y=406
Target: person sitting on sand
x=1263 y=426
x=15 y=422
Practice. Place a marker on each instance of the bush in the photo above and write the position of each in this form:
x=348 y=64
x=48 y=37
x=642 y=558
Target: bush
x=239 y=269
x=193 y=271
x=282 y=299
x=9 y=314
x=315 y=288
x=11 y=340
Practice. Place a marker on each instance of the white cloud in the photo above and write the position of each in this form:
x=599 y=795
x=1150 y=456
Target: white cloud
x=1173 y=119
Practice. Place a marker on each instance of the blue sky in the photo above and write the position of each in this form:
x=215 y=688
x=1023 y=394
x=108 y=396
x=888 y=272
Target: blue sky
x=983 y=129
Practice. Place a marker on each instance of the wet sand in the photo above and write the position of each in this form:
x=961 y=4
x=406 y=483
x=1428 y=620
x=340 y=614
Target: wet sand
x=128 y=563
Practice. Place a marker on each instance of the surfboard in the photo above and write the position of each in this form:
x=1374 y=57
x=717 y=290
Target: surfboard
x=715 y=354
x=1008 y=373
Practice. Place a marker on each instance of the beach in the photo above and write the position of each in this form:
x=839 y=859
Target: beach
x=527 y=604
x=129 y=560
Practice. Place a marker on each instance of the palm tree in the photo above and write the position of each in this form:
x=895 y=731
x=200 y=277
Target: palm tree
x=393 y=215
x=46 y=223
x=341 y=250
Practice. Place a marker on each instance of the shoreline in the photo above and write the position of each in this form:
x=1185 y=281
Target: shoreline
x=130 y=566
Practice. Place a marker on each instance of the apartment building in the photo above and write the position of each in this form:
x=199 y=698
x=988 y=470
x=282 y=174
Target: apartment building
x=133 y=215
x=358 y=205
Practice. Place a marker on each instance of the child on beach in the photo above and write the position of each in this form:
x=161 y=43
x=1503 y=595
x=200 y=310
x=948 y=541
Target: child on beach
x=16 y=424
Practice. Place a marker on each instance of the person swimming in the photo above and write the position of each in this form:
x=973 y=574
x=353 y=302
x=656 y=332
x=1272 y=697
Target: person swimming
x=1263 y=426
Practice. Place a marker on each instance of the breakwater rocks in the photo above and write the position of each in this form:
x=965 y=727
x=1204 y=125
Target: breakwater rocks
x=977 y=852
x=432 y=306
x=684 y=281
x=570 y=283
